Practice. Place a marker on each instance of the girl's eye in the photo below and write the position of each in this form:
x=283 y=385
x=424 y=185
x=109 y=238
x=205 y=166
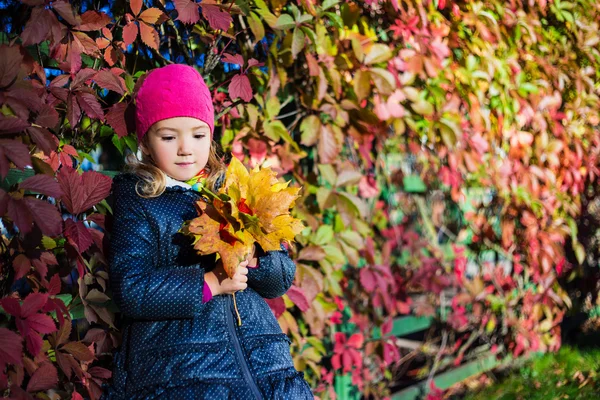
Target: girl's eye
x=167 y=138
x=199 y=135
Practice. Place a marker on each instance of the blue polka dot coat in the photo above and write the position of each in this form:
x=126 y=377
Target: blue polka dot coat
x=174 y=345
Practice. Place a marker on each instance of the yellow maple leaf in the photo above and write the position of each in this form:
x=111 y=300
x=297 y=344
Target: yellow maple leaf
x=212 y=234
x=251 y=207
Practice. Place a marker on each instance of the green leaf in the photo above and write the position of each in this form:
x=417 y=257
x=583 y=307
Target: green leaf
x=274 y=130
x=285 y=21
x=378 y=53
x=334 y=255
x=48 y=243
x=297 y=41
x=323 y=236
x=263 y=11
x=335 y=19
x=362 y=84
x=304 y=18
x=353 y=239
x=129 y=83
x=328 y=173
x=131 y=142
x=384 y=80
x=579 y=252
x=414 y=184
x=310 y=128
x=256 y=26
x=273 y=107
x=119 y=144
x=327 y=4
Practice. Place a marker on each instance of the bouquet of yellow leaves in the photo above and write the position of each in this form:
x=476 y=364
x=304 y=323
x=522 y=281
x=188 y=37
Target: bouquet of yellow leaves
x=250 y=207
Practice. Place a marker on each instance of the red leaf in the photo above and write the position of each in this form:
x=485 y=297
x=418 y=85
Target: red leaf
x=356 y=341
x=253 y=62
x=22 y=266
x=45 y=377
x=130 y=32
x=47 y=116
x=64 y=362
x=44 y=139
x=90 y=105
x=277 y=306
x=55 y=285
x=149 y=35
x=73 y=111
x=44 y=184
x=234 y=59
x=83 y=192
x=335 y=361
x=78 y=234
x=82 y=77
x=99 y=372
x=97 y=219
x=33 y=303
x=40 y=267
x=65 y=160
x=17 y=152
x=367 y=279
x=65 y=10
x=33 y=342
x=72 y=62
x=151 y=15
x=111 y=56
x=10 y=62
x=4 y=199
x=42 y=323
x=116 y=119
x=37 y=27
x=328 y=146
x=240 y=87
x=136 y=6
x=70 y=150
x=217 y=18
x=107 y=80
x=20 y=215
x=79 y=350
x=93 y=21
x=298 y=297
x=11 y=306
x=59 y=82
x=11 y=347
x=12 y=125
x=76 y=396
x=86 y=43
x=187 y=11
x=45 y=215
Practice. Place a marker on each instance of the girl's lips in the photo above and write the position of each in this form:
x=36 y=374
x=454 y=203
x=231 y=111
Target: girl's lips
x=184 y=164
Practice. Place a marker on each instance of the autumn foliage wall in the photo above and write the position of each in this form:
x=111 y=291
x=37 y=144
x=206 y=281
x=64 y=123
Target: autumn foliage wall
x=427 y=136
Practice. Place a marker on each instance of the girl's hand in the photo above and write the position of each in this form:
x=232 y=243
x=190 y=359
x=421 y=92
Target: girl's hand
x=220 y=283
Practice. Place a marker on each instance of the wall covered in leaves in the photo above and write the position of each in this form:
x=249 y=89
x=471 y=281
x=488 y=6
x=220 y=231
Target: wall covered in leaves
x=446 y=150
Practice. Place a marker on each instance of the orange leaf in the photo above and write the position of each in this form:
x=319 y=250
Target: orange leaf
x=149 y=35
x=151 y=15
x=136 y=6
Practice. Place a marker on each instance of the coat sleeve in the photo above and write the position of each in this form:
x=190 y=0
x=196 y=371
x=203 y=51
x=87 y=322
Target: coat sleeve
x=274 y=274
x=140 y=289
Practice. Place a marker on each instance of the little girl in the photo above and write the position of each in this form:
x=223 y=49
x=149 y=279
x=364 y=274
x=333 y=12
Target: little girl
x=181 y=339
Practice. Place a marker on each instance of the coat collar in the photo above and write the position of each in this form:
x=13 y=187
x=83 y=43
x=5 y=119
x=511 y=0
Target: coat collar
x=170 y=183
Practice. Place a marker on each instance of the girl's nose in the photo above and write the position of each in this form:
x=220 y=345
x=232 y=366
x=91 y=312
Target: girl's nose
x=184 y=147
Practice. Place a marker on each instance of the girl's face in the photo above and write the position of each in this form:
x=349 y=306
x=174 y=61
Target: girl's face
x=178 y=146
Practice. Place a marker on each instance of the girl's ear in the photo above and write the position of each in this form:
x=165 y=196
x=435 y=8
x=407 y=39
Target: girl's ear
x=144 y=146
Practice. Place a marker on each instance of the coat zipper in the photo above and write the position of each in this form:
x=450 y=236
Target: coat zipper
x=239 y=353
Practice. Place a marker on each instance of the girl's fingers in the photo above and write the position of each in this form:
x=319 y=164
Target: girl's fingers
x=242 y=271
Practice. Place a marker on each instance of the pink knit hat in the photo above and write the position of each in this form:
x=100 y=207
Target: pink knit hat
x=175 y=90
